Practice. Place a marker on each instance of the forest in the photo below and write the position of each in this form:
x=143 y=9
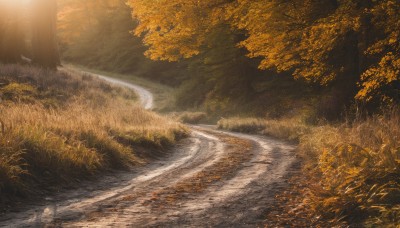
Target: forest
x=347 y=46
x=324 y=75
x=345 y=51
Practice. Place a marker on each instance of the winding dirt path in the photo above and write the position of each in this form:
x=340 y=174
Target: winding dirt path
x=212 y=178
x=145 y=96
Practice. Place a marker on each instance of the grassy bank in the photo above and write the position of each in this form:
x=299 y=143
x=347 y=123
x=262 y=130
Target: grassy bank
x=56 y=127
x=163 y=95
x=352 y=169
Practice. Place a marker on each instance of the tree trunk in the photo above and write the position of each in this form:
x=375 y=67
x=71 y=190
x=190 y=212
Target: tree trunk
x=44 y=40
x=11 y=36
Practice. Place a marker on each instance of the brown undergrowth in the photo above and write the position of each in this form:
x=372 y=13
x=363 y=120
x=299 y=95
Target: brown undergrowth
x=291 y=208
x=57 y=127
x=352 y=170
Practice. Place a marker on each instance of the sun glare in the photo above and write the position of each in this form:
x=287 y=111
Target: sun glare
x=14 y=3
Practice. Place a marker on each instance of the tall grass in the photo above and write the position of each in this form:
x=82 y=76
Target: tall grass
x=289 y=129
x=354 y=168
x=83 y=131
x=358 y=166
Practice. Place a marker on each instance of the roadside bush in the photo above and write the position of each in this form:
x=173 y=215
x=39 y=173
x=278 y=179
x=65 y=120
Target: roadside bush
x=359 y=170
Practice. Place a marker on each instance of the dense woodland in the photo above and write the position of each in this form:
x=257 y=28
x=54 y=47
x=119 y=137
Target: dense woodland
x=328 y=56
x=338 y=55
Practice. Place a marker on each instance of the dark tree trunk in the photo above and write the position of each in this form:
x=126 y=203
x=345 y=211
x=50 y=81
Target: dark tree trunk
x=44 y=40
x=11 y=35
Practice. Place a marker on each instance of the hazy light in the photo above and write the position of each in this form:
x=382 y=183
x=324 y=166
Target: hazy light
x=14 y=2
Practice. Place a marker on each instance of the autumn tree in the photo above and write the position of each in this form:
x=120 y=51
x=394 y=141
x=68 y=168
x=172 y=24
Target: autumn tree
x=97 y=33
x=326 y=40
x=382 y=77
x=175 y=29
x=320 y=41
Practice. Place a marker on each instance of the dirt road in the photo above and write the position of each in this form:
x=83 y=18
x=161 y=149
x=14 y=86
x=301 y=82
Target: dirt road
x=212 y=178
x=146 y=97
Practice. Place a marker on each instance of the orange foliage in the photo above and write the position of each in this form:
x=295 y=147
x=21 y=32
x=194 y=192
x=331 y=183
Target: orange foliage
x=299 y=36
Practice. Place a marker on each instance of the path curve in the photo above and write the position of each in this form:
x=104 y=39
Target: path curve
x=213 y=178
x=145 y=96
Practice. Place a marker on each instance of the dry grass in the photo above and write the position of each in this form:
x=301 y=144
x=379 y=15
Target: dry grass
x=163 y=95
x=289 y=129
x=56 y=127
x=189 y=117
x=353 y=169
x=358 y=168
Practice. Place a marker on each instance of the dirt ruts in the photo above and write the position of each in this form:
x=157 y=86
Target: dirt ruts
x=212 y=178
